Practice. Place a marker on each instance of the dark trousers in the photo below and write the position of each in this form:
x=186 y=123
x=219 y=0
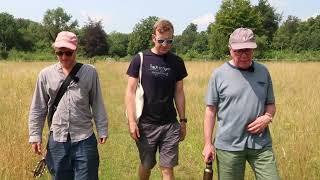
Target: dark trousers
x=78 y=160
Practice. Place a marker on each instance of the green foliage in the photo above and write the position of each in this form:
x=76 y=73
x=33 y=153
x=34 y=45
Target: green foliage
x=118 y=44
x=3 y=54
x=201 y=42
x=232 y=14
x=94 y=39
x=140 y=38
x=270 y=19
x=56 y=20
x=237 y=13
x=217 y=42
x=307 y=36
x=31 y=36
x=263 y=46
x=15 y=55
x=8 y=31
x=283 y=36
x=28 y=40
x=185 y=41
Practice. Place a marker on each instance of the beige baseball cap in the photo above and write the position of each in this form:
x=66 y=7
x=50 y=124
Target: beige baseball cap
x=242 y=38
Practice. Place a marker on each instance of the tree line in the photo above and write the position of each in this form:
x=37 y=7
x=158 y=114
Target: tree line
x=25 y=37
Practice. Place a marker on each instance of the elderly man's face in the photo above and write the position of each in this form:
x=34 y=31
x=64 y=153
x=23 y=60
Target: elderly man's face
x=67 y=57
x=242 y=58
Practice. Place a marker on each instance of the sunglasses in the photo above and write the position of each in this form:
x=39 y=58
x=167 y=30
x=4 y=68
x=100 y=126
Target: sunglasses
x=165 y=41
x=67 y=53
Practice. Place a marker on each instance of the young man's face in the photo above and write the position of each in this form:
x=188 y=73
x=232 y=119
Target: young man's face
x=242 y=58
x=162 y=42
x=67 y=57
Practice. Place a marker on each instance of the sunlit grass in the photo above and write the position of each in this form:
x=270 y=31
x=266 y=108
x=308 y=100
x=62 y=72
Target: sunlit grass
x=295 y=129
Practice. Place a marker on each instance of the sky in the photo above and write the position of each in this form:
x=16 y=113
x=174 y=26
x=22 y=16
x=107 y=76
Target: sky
x=122 y=15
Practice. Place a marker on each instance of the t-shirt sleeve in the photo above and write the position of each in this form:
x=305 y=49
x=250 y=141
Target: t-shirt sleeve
x=270 y=95
x=181 y=70
x=133 y=69
x=212 y=97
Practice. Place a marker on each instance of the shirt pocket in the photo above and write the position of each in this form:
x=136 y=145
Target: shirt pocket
x=79 y=95
x=260 y=89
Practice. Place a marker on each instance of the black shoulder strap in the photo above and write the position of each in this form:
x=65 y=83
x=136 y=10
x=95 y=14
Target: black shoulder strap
x=62 y=90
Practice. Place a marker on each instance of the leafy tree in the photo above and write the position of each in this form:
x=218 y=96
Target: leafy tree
x=217 y=42
x=118 y=44
x=185 y=42
x=139 y=39
x=232 y=14
x=94 y=39
x=8 y=31
x=285 y=33
x=31 y=34
x=307 y=36
x=270 y=19
x=201 y=43
x=237 y=13
x=56 y=20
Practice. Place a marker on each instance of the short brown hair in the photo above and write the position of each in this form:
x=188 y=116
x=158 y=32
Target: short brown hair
x=163 y=25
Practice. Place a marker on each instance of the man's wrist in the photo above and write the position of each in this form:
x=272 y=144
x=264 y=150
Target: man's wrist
x=270 y=117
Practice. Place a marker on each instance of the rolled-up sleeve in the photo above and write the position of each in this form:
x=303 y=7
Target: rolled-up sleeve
x=98 y=109
x=38 y=110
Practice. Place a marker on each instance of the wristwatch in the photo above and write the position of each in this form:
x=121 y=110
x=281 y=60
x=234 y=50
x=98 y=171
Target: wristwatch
x=185 y=120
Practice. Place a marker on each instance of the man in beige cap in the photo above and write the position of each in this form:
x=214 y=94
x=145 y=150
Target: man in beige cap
x=240 y=96
x=72 y=147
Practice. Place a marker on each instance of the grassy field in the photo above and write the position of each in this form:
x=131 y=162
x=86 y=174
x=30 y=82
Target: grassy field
x=295 y=129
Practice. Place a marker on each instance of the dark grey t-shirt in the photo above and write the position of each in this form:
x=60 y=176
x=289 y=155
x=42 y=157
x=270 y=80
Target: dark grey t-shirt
x=240 y=97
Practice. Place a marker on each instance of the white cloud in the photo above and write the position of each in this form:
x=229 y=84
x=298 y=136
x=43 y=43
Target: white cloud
x=204 y=20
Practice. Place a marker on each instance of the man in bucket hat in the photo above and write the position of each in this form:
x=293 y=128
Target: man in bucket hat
x=240 y=95
x=72 y=147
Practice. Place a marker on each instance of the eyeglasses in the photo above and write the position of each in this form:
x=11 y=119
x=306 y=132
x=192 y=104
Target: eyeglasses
x=165 y=41
x=241 y=51
x=67 y=53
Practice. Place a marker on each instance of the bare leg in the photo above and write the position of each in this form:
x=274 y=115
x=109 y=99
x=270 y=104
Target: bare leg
x=144 y=174
x=167 y=173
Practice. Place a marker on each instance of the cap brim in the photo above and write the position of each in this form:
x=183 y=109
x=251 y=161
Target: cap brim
x=248 y=45
x=64 y=45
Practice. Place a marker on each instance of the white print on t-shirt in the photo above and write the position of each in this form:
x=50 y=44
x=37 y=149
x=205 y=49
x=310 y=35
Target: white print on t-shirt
x=159 y=70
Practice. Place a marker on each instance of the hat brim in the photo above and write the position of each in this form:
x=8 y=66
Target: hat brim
x=64 y=45
x=247 y=45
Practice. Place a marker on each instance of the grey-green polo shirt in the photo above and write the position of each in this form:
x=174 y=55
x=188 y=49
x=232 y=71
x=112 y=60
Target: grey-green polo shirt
x=240 y=97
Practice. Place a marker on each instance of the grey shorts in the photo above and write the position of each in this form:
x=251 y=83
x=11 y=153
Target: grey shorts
x=163 y=137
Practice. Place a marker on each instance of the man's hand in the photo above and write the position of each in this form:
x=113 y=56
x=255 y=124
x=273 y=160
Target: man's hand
x=183 y=130
x=134 y=130
x=36 y=147
x=258 y=125
x=209 y=153
x=102 y=140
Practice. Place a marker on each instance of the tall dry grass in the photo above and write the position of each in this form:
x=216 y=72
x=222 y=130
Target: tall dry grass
x=295 y=129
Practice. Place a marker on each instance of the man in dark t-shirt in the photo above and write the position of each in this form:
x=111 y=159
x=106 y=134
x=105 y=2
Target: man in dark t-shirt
x=162 y=82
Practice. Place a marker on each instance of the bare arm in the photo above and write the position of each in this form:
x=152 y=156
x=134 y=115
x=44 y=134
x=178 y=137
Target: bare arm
x=130 y=106
x=179 y=99
x=208 y=126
